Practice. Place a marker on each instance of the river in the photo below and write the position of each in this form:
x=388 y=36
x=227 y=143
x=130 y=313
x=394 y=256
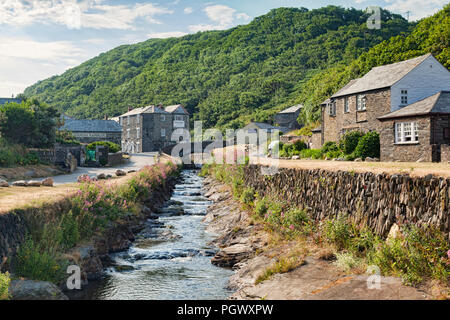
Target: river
x=171 y=258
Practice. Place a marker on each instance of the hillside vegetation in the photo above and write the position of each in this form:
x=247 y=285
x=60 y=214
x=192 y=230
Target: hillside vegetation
x=224 y=78
x=430 y=35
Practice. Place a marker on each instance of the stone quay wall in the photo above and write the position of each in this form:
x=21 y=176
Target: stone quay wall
x=379 y=200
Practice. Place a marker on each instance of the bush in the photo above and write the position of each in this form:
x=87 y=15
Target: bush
x=248 y=196
x=311 y=153
x=261 y=206
x=368 y=146
x=329 y=146
x=113 y=148
x=349 y=141
x=339 y=231
x=295 y=218
x=16 y=155
x=4 y=286
x=292 y=149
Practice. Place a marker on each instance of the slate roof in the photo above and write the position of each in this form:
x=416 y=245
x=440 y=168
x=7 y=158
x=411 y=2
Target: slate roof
x=91 y=126
x=438 y=103
x=176 y=109
x=148 y=109
x=267 y=126
x=6 y=100
x=292 y=109
x=381 y=77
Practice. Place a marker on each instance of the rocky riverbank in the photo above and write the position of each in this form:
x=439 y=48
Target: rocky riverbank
x=245 y=247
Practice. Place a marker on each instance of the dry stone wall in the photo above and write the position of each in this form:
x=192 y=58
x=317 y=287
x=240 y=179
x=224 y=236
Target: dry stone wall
x=380 y=200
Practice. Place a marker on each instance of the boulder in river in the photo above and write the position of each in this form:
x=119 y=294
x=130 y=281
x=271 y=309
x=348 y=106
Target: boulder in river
x=232 y=255
x=35 y=290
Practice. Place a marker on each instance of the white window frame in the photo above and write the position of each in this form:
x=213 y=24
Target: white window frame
x=404 y=97
x=128 y=133
x=179 y=117
x=138 y=132
x=346 y=105
x=163 y=132
x=406 y=132
x=361 y=102
x=128 y=120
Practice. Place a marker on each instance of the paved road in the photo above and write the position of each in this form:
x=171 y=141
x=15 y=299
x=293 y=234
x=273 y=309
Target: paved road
x=136 y=162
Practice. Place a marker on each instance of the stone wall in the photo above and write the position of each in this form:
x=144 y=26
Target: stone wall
x=445 y=153
x=379 y=200
x=115 y=159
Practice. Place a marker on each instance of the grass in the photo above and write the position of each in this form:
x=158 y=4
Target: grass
x=4 y=286
x=420 y=254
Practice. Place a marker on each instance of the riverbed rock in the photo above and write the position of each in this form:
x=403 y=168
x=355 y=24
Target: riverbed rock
x=120 y=173
x=48 y=182
x=4 y=183
x=217 y=197
x=228 y=257
x=20 y=183
x=35 y=290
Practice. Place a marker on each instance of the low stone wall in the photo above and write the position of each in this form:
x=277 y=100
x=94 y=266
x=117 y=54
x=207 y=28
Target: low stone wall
x=445 y=153
x=115 y=159
x=379 y=200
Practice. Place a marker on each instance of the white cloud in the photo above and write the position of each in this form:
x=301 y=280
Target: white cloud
x=163 y=35
x=418 y=8
x=76 y=15
x=188 y=10
x=223 y=17
x=25 y=61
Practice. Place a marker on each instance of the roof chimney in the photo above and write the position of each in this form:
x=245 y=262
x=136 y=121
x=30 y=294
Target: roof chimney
x=130 y=108
x=106 y=117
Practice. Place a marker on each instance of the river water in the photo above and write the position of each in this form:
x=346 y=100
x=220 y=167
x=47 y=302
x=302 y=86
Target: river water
x=171 y=258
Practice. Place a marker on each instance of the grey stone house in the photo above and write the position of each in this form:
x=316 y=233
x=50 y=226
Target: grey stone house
x=288 y=117
x=88 y=131
x=363 y=102
x=150 y=128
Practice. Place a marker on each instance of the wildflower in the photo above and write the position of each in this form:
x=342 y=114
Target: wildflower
x=291 y=227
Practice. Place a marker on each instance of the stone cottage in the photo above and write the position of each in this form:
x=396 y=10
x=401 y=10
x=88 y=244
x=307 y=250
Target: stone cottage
x=420 y=131
x=87 y=131
x=150 y=128
x=362 y=103
x=288 y=117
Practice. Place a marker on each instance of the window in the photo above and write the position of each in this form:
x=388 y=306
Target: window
x=179 y=118
x=406 y=132
x=447 y=133
x=361 y=102
x=163 y=132
x=163 y=117
x=128 y=120
x=346 y=105
x=404 y=97
x=128 y=133
x=138 y=133
x=332 y=109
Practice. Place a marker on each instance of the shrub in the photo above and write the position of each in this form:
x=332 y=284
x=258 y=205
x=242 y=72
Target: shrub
x=4 y=286
x=292 y=149
x=368 y=146
x=339 y=231
x=422 y=252
x=311 y=153
x=38 y=262
x=349 y=141
x=295 y=218
x=113 y=148
x=248 y=196
x=347 y=261
x=329 y=146
x=261 y=206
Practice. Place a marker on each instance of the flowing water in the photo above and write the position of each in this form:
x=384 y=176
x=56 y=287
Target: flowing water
x=171 y=258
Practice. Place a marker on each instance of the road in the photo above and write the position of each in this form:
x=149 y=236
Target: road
x=136 y=162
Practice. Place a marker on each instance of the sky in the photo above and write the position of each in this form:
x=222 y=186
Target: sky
x=42 y=38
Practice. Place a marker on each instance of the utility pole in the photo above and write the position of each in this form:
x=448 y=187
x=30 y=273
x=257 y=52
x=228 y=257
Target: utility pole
x=407 y=15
